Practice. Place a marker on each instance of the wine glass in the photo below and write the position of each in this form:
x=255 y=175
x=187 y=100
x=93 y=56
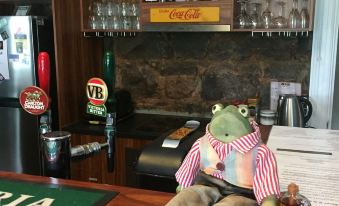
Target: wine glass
x=280 y=21
x=243 y=20
x=267 y=16
x=305 y=17
x=294 y=18
x=110 y=7
x=255 y=17
x=98 y=8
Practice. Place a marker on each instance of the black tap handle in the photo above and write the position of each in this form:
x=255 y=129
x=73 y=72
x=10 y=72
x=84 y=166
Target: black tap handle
x=110 y=139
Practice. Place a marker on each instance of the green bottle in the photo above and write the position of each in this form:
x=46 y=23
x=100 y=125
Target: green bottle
x=109 y=78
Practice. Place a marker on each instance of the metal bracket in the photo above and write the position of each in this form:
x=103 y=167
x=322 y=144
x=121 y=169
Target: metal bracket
x=282 y=33
x=109 y=34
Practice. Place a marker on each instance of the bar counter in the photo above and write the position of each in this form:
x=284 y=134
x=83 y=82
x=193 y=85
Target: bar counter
x=127 y=196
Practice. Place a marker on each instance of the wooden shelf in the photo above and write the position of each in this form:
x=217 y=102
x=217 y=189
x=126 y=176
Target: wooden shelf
x=221 y=22
x=272 y=30
x=194 y=16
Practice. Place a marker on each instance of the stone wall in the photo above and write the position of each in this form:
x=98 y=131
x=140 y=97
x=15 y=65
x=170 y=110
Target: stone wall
x=189 y=72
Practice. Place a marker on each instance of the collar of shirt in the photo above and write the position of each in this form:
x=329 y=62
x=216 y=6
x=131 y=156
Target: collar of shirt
x=242 y=144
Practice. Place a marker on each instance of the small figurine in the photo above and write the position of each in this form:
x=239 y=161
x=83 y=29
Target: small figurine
x=293 y=189
x=293 y=198
x=228 y=166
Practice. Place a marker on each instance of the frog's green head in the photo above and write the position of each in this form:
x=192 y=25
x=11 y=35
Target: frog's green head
x=228 y=123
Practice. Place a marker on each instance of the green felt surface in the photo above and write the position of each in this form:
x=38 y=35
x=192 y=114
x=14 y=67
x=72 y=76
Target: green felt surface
x=61 y=195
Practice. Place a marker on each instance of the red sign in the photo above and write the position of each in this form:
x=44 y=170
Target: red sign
x=97 y=91
x=34 y=100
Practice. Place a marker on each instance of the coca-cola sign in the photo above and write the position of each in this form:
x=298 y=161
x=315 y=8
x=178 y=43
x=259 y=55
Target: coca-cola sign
x=185 y=14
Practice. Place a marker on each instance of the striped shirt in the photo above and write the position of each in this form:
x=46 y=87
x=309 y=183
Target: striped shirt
x=265 y=180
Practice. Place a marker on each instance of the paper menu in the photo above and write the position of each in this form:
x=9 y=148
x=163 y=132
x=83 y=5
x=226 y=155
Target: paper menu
x=4 y=73
x=278 y=88
x=309 y=158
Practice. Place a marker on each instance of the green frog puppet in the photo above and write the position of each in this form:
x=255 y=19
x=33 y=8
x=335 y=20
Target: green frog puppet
x=228 y=166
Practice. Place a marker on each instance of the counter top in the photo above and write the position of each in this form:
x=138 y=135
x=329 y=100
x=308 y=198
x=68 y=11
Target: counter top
x=127 y=196
x=145 y=126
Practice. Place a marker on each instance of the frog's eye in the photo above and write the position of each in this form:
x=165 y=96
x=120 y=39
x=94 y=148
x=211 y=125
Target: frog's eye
x=226 y=134
x=216 y=108
x=243 y=109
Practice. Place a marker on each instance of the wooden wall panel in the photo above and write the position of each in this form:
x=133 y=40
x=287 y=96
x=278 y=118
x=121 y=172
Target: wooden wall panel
x=77 y=60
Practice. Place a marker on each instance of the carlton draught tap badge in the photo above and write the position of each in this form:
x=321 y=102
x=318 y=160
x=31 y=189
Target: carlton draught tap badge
x=34 y=100
x=97 y=93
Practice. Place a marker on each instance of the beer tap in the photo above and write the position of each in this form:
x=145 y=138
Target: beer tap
x=56 y=149
x=110 y=140
x=109 y=78
x=44 y=83
x=87 y=149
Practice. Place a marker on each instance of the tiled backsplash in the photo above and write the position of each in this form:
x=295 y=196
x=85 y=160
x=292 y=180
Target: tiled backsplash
x=189 y=72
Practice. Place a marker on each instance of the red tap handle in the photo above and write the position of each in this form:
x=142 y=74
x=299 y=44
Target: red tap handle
x=44 y=70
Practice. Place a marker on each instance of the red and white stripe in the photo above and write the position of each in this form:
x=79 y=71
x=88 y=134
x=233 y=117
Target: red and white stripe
x=266 y=180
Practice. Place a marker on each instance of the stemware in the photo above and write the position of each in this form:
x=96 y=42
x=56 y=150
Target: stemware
x=134 y=10
x=98 y=8
x=243 y=20
x=280 y=21
x=255 y=17
x=110 y=7
x=267 y=16
x=92 y=17
x=93 y=22
x=305 y=17
x=294 y=19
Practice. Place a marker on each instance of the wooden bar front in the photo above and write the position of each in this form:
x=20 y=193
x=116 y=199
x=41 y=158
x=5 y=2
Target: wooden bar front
x=127 y=196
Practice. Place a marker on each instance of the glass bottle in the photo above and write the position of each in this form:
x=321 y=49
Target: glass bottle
x=281 y=21
x=243 y=20
x=305 y=17
x=294 y=19
x=267 y=16
x=255 y=17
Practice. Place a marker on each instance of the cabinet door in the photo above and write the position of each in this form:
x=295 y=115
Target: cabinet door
x=94 y=168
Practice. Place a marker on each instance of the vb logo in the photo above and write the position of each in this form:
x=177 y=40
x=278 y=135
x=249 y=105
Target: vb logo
x=97 y=92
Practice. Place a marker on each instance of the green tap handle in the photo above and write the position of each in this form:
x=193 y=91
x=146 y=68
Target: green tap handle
x=109 y=78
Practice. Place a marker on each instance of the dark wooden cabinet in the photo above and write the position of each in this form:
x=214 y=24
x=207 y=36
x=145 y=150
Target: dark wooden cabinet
x=174 y=16
x=195 y=16
x=94 y=168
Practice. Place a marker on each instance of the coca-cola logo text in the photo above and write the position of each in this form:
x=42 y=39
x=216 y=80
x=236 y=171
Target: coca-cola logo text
x=185 y=14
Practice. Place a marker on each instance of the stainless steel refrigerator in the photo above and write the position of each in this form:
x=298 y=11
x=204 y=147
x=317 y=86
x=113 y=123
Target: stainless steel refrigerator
x=21 y=39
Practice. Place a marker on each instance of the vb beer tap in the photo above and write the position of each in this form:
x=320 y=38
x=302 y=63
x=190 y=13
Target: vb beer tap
x=57 y=152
